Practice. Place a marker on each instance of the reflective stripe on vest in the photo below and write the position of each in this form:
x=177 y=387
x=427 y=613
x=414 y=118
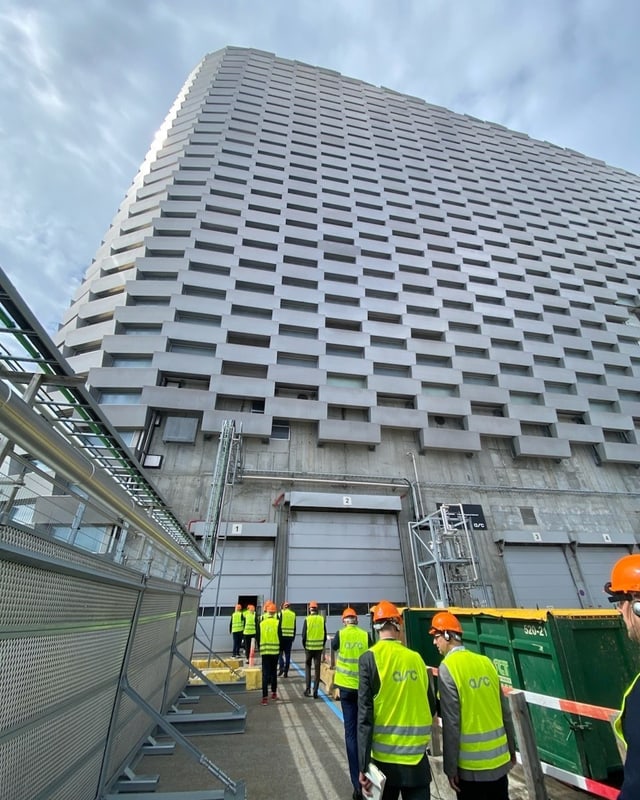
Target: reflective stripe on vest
x=250 y=623
x=315 y=632
x=353 y=642
x=483 y=739
x=237 y=622
x=288 y=618
x=269 y=641
x=617 y=725
x=402 y=699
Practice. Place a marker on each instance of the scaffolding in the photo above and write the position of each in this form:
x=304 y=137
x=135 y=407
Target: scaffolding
x=445 y=560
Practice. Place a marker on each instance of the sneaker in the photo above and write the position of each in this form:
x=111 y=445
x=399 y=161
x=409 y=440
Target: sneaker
x=274 y=696
x=280 y=673
x=264 y=701
x=307 y=692
x=315 y=695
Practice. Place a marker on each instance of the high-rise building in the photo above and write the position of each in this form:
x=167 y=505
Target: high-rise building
x=400 y=307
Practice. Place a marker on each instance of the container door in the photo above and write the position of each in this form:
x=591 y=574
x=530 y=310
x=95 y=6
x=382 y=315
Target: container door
x=595 y=565
x=540 y=577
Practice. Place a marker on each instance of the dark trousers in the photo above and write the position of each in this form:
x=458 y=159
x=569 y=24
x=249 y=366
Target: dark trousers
x=312 y=656
x=349 y=703
x=269 y=673
x=409 y=780
x=484 y=790
x=237 y=642
x=408 y=793
x=284 y=659
x=247 y=644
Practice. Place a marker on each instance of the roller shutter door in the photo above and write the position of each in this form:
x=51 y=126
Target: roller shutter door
x=336 y=556
x=246 y=570
x=595 y=566
x=540 y=577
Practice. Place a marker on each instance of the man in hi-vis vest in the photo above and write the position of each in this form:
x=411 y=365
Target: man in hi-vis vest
x=349 y=644
x=287 y=635
x=269 y=649
x=624 y=590
x=478 y=740
x=395 y=711
x=250 y=628
x=314 y=636
x=236 y=629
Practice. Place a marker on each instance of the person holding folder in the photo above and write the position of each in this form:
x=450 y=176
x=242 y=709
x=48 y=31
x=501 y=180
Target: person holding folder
x=395 y=711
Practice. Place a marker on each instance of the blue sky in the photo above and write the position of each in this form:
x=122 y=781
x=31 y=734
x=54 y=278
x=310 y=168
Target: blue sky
x=84 y=85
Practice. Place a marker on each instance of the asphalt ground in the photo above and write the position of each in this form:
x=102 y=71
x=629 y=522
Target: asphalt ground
x=291 y=749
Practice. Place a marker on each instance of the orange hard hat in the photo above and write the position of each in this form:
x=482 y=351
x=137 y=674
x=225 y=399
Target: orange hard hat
x=238 y=607
x=625 y=578
x=385 y=610
x=313 y=604
x=349 y=612
x=270 y=607
x=445 y=621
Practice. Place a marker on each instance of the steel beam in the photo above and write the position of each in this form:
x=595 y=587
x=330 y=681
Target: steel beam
x=208 y=724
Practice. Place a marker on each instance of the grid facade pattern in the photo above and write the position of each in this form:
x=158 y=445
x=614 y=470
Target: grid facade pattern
x=299 y=245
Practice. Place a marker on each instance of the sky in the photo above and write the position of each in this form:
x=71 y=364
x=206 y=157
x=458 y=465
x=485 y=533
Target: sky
x=85 y=84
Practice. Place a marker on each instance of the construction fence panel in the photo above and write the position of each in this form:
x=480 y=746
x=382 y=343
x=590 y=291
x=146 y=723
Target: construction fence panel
x=72 y=625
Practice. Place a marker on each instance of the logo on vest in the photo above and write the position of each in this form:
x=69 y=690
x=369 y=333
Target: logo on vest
x=477 y=683
x=404 y=675
x=353 y=646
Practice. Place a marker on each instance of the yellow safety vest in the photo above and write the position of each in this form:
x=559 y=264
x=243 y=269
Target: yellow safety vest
x=401 y=714
x=483 y=739
x=237 y=622
x=288 y=618
x=315 y=632
x=269 y=641
x=617 y=725
x=353 y=642
x=250 y=623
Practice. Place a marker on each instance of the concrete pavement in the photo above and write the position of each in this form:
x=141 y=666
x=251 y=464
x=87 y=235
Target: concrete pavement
x=291 y=749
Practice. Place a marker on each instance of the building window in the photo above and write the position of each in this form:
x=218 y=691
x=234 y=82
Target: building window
x=297 y=360
x=120 y=398
x=344 y=351
x=180 y=429
x=347 y=381
x=280 y=429
x=348 y=413
x=243 y=370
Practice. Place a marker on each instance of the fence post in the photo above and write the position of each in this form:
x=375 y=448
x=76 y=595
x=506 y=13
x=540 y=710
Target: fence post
x=531 y=765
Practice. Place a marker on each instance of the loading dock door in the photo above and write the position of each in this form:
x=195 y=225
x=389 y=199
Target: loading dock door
x=540 y=577
x=247 y=568
x=339 y=556
x=595 y=565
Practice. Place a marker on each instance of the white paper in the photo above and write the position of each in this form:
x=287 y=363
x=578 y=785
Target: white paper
x=377 y=779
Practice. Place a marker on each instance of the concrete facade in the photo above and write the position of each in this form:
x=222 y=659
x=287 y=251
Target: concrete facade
x=391 y=300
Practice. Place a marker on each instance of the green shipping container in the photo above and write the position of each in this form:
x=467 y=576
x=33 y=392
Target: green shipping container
x=581 y=654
